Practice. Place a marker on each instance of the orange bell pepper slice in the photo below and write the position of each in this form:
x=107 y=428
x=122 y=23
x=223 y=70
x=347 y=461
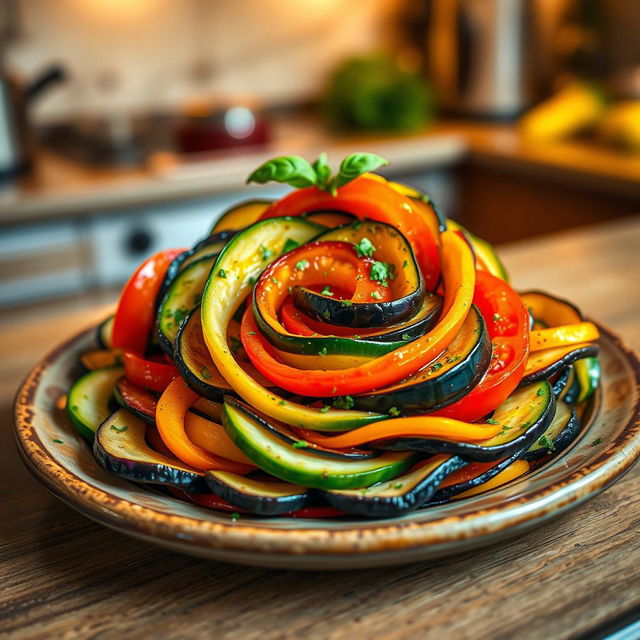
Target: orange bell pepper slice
x=413 y=426
x=170 y=421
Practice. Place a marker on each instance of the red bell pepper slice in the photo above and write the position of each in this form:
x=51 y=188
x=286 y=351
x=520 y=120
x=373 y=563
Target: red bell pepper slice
x=147 y=373
x=135 y=314
x=507 y=321
x=373 y=199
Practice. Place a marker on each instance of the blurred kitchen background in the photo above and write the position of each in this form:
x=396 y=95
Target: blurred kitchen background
x=130 y=125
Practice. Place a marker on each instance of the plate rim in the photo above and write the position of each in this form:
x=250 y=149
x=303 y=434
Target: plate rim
x=378 y=537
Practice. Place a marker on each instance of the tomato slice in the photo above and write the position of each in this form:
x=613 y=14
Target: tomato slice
x=507 y=321
x=370 y=198
x=136 y=309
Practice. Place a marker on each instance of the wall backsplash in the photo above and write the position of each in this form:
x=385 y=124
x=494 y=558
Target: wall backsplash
x=132 y=55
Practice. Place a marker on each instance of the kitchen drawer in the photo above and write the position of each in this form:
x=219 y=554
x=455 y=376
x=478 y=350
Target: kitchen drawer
x=119 y=242
x=42 y=261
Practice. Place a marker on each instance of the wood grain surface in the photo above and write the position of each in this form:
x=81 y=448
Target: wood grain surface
x=62 y=576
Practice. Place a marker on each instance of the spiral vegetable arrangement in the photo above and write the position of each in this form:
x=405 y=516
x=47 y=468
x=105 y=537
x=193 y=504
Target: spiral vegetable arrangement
x=345 y=349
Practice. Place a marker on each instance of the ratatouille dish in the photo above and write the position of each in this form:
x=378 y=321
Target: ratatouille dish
x=343 y=350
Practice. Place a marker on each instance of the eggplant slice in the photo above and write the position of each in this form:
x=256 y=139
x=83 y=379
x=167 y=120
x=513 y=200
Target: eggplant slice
x=262 y=497
x=120 y=447
x=445 y=380
x=477 y=473
x=399 y=495
x=390 y=247
x=523 y=416
x=562 y=431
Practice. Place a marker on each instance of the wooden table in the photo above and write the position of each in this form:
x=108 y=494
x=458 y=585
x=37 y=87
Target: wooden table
x=62 y=576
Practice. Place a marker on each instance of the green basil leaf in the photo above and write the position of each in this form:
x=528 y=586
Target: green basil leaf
x=323 y=171
x=292 y=170
x=355 y=165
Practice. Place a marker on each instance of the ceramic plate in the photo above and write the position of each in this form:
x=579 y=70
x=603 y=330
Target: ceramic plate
x=607 y=447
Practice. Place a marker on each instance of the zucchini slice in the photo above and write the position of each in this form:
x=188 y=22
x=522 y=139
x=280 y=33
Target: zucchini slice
x=470 y=476
x=262 y=497
x=104 y=331
x=445 y=380
x=244 y=258
x=120 y=447
x=552 y=311
x=209 y=246
x=182 y=297
x=400 y=495
x=524 y=416
x=407 y=285
x=588 y=377
x=543 y=364
x=484 y=252
x=89 y=399
x=137 y=400
x=559 y=434
x=264 y=445
x=241 y=215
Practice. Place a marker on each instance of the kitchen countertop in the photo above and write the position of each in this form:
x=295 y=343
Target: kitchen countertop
x=60 y=187
x=62 y=575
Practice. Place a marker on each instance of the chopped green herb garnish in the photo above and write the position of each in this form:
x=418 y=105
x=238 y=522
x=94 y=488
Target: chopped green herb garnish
x=345 y=402
x=323 y=352
x=393 y=411
x=327 y=291
x=596 y=442
x=435 y=366
x=289 y=245
x=265 y=252
x=376 y=295
x=540 y=392
x=492 y=421
x=235 y=516
x=180 y=314
x=58 y=441
x=546 y=442
x=398 y=485
x=406 y=336
x=222 y=273
x=379 y=272
x=204 y=372
x=282 y=402
x=300 y=444
x=301 y=265
x=453 y=359
x=405 y=264
x=346 y=303
x=356 y=225
x=251 y=333
x=251 y=280
x=326 y=314
x=497 y=317
x=118 y=429
x=274 y=280
x=325 y=408
x=365 y=248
